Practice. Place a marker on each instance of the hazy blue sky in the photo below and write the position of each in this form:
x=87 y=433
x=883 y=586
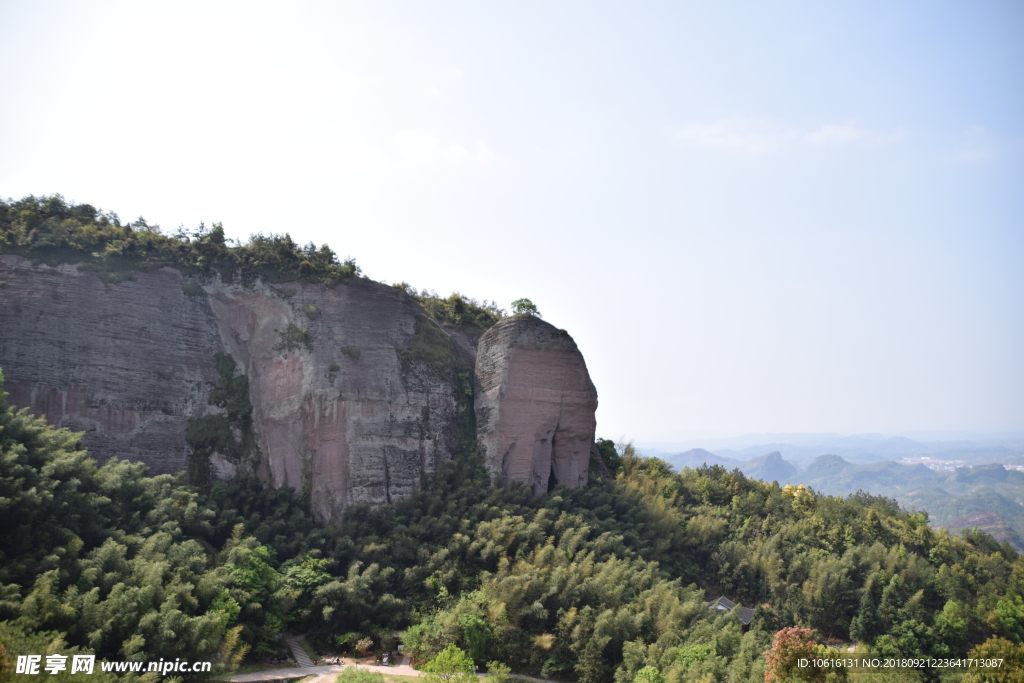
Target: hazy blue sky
x=752 y=217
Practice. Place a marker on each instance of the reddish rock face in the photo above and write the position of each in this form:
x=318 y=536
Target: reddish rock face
x=336 y=412
x=127 y=364
x=345 y=405
x=535 y=404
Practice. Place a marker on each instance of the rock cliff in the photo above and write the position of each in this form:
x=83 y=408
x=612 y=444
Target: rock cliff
x=349 y=394
x=353 y=390
x=535 y=404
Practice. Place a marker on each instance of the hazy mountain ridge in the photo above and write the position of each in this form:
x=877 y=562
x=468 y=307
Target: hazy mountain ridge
x=801 y=449
x=980 y=493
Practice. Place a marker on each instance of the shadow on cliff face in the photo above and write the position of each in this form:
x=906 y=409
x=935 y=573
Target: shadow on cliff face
x=433 y=355
x=224 y=441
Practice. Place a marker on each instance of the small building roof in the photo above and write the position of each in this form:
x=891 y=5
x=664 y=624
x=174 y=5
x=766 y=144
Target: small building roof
x=723 y=604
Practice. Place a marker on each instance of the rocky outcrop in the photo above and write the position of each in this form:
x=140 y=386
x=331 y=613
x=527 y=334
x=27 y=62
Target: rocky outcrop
x=346 y=403
x=348 y=394
x=129 y=364
x=534 y=404
x=354 y=391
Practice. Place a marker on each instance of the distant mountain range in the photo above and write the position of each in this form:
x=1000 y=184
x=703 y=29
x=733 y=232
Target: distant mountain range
x=801 y=449
x=768 y=467
x=961 y=484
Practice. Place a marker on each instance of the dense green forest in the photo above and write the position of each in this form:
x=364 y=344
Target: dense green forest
x=606 y=583
x=593 y=584
x=990 y=492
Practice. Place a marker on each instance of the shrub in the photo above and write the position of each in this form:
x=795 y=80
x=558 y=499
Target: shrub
x=312 y=311
x=192 y=289
x=351 y=352
x=353 y=674
x=497 y=672
x=460 y=311
x=430 y=345
x=525 y=307
x=293 y=338
x=452 y=665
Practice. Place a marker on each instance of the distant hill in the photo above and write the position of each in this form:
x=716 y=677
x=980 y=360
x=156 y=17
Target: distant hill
x=980 y=491
x=767 y=467
x=698 y=456
x=833 y=474
x=771 y=467
x=802 y=449
x=988 y=496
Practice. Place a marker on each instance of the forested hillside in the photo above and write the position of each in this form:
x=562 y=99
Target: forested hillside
x=591 y=584
x=989 y=491
x=985 y=494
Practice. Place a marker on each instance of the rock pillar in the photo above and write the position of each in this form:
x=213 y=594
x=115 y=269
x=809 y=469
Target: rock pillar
x=535 y=404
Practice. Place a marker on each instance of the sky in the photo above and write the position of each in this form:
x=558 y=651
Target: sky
x=752 y=217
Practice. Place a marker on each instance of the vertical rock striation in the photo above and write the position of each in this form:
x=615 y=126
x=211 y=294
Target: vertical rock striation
x=349 y=404
x=128 y=363
x=344 y=406
x=535 y=404
x=350 y=394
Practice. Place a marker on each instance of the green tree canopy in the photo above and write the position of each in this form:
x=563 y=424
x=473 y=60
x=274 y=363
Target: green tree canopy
x=451 y=665
x=524 y=307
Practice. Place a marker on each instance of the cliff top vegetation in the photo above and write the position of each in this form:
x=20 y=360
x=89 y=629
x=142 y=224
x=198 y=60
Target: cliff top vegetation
x=456 y=310
x=51 y=230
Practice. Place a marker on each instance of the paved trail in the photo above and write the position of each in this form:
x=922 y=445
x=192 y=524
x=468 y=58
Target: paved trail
x=325 y=673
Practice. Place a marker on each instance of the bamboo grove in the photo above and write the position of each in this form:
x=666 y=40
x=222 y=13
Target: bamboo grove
x=594 y=584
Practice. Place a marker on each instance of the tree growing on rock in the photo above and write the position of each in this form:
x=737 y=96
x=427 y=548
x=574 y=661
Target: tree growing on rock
x=525 y=307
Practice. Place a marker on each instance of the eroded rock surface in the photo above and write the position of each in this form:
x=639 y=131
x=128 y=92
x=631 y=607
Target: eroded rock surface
x=535 y=404
x=344 y=408
x=351 y=394
x=129 y=364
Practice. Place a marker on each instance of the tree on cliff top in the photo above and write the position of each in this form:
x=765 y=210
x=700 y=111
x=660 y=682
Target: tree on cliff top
x=54 y=231
x=525 y=307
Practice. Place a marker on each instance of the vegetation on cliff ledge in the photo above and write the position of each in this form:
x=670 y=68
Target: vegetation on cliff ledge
x=458 y=311
x=228 y=433
x=600 y=584
x=51 y=230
